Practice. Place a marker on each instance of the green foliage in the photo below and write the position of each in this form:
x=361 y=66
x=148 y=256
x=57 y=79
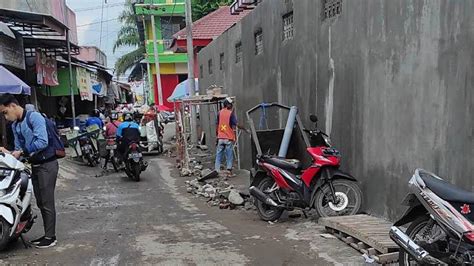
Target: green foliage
x=203 y=7
x=129 y=60
x=128 y=37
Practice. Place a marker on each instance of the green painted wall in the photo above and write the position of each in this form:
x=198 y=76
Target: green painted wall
x=63 y=88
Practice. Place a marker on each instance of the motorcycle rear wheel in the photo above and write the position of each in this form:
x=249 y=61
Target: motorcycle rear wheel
x=4 y=233
x=347 y=192
x=267 y=212
x=136 y=170
x=413 y=230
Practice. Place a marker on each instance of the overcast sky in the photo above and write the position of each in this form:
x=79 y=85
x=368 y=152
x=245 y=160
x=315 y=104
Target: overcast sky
x=89 y=11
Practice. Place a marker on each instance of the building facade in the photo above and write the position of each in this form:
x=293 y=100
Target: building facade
x=169 y=19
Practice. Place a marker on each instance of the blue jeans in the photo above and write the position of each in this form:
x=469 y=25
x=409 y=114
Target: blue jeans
x=224 y=146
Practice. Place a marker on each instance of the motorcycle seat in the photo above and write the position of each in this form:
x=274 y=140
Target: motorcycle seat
x=287 y=164
x=446 y=190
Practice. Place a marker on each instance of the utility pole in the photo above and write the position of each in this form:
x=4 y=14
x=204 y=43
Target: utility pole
x=157 y=61
x=191 y=83
x=73 y=107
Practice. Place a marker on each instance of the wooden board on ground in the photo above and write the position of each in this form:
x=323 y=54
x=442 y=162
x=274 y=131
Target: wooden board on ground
x=367 y=234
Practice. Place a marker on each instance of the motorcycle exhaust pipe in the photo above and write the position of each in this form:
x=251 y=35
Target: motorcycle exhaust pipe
x=257 y=193
x=409 y=246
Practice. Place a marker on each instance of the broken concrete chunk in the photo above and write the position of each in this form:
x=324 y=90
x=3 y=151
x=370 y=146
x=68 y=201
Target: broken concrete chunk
x=185 y=172
x=207 y=174
x=235 y=198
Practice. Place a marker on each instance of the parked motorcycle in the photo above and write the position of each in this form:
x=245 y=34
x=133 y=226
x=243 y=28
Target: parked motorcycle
x=441 y=230
x=321 y=186
x=16 y=189
x=134 y=163
x=88 y=150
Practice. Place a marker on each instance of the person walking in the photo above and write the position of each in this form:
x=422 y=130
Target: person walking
x=31 y=140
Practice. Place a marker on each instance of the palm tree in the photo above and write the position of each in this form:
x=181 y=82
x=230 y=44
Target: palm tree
x=128 y=37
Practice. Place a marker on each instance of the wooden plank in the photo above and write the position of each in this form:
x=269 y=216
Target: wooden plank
x=362 y=245
x=349 y=240
x=386 y=258
x=369 y=230
x=370 y=251
x=354 y=245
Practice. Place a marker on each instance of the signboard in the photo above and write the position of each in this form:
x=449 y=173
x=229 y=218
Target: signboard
x=46 y=69
x=11 y=52
x=84 y=84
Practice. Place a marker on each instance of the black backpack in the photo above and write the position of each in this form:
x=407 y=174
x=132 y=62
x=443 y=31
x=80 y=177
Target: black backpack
x=55 y=145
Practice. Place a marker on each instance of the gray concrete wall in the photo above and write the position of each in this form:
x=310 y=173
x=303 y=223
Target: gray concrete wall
x=391 y=81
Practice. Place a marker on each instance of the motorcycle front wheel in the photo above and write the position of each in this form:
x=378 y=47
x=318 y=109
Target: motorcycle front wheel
x=348 y=199
x=5 y=233
x=90 y=160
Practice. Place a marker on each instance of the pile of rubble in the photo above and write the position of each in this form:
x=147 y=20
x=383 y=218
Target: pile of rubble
x=208 y=184
x=218 y=191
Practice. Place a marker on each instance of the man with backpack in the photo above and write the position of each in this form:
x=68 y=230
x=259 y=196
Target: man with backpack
x=36 y=138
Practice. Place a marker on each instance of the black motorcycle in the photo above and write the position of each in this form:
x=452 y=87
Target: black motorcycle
x=134 y=163
x=89 y=152
x=131 y=153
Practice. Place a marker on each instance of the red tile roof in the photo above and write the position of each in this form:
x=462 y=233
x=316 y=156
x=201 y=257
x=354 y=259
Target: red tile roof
x=212 y=25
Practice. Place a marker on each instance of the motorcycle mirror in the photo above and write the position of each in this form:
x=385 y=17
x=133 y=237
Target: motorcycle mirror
x=313 y=118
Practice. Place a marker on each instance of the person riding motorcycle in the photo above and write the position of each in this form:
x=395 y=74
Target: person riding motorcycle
x=112 y=125
x=127 y=132
x=94 y=119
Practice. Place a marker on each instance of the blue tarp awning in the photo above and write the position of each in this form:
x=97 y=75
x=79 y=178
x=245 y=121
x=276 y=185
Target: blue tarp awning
x=9 y=83
x=180 y=90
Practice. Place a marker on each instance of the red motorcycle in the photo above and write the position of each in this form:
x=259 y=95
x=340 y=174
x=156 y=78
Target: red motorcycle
x=282 y=184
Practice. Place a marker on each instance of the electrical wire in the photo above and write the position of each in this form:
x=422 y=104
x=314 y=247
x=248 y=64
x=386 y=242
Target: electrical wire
x=78 y=26
x=98 y=7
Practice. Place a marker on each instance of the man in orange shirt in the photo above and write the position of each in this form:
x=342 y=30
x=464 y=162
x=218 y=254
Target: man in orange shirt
x=226 y=124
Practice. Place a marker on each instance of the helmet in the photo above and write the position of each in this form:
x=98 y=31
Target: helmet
x=128 y=117
x=95 y=113
x=114 y=116
x=228 y=101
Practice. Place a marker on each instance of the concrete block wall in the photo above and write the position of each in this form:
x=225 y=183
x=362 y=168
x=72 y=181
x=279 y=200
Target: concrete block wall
x=391 y=81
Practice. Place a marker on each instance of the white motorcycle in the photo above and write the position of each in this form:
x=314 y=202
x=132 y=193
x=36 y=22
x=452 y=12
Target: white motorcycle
x=16 y=190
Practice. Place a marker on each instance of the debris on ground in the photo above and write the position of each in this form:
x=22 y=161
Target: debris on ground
x=203 y=147
x=207 y=174
x=235 y=198
x=214 y=186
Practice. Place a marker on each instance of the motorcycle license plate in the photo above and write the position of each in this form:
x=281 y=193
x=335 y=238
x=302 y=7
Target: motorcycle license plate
x=135 y=155
x=111 y=147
